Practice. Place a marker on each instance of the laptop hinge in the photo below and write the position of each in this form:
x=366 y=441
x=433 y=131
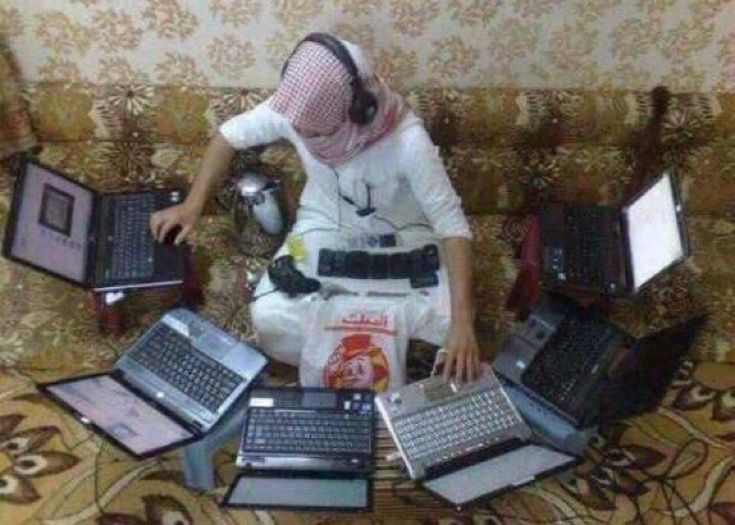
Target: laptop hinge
x=93 y=241
x=197 y=426
x=467 y=460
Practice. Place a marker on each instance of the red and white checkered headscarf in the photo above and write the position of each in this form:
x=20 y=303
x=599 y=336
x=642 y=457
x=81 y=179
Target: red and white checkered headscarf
x=315 y=96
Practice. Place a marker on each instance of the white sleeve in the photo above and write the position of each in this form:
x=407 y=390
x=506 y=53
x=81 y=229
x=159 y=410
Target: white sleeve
x=260 y=125
x=421 y=164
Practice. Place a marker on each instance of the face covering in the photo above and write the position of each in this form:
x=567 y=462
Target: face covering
x=315 y=95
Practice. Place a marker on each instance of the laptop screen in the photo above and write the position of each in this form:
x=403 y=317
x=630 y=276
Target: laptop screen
x=52 y=223
x=639 y=380
x=513 y=469
x=288 y=491
x=654 y=232
x=120 y=413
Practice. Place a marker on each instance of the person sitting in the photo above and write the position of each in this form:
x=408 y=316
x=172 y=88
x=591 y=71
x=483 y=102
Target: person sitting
x=371 y=169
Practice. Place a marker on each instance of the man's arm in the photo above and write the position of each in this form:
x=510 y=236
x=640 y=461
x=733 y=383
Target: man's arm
x=463 y=353
x=214 y=165
x=258 y=126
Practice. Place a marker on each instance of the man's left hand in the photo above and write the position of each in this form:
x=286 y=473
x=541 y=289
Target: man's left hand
x=463 y=354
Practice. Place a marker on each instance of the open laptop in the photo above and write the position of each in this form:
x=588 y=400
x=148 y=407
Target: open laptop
x=575 y=363
x=167 y=390
x=100 y=241
x=547 y=425
x=465 y=442
x=305 y=448
x=611 y=251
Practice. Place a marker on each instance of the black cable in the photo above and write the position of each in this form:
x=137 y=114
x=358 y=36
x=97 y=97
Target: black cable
x=662 y=481
x=598 y=464
x=263 y=294
x=397 y=229
x=667 y=497
x=404 y=498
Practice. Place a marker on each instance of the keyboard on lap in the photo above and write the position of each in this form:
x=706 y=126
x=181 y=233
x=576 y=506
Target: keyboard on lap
x=133 y=245
x=171 y=357
x=323 y=432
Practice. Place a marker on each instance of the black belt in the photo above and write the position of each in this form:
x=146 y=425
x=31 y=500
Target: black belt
x=419 y=265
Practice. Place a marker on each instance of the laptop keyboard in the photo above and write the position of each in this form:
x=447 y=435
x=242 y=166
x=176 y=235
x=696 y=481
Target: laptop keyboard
x=133 y=245
x=568 y=360
x=309 y=432
x=443 y=432
x=586 y=227
x=171 y=356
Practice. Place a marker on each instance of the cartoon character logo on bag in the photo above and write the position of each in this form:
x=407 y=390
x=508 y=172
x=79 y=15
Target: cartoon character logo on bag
x=357 y=362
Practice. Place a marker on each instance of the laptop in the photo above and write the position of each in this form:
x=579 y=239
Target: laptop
x=465 y=442
x=611 y=251
x=571 y=360
x=547 y=425
x=100 y=241
x=305 y=448
x=169 y=389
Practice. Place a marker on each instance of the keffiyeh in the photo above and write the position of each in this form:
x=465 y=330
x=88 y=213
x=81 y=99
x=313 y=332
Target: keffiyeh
x=315 y=96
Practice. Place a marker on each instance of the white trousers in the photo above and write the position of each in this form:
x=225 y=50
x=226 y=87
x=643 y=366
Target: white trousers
x=281 y=322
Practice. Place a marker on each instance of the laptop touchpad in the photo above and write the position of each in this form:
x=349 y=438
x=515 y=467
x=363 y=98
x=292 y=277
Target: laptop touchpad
x=513 y=469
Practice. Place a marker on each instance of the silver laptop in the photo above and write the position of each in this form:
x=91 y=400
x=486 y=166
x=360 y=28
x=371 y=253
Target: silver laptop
x=167 y=390
x=466 y=441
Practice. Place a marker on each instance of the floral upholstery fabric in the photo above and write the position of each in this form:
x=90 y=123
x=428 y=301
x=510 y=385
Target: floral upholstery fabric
x=154 y=134
x=15 y=127
x=675 y=465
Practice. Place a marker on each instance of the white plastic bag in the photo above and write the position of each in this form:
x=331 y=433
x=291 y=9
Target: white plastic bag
x=356 y=342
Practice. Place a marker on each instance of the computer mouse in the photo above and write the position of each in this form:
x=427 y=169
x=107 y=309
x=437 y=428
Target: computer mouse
x=171 y=235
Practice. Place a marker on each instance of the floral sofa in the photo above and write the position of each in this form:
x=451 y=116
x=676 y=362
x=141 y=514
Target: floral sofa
x=673 y=465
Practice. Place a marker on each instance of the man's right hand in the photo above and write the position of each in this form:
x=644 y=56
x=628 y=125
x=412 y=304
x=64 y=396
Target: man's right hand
x=183 y=215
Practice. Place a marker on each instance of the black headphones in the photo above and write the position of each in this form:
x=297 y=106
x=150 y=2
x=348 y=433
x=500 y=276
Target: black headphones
x=364 y=105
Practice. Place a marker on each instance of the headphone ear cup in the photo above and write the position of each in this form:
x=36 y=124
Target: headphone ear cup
x=364 y=106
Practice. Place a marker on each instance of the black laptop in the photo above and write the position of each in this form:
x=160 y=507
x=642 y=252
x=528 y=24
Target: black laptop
x=306 y=448
x=612 y=251
x=585 y=369
x=100 y=241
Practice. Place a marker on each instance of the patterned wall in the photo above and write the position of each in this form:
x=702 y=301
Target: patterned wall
x=686 y=44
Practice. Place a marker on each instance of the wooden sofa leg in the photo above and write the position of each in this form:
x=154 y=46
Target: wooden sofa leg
x=110 y=318
x=191 y=290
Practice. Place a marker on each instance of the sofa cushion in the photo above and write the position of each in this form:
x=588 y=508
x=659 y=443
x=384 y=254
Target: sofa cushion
x=494 y=142
x=479 y=116
x=489 y=180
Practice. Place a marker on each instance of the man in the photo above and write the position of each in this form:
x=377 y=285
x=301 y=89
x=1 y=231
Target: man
x=371 y=169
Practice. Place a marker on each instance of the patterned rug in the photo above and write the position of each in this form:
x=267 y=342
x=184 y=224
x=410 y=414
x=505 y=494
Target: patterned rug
x=672 y=466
